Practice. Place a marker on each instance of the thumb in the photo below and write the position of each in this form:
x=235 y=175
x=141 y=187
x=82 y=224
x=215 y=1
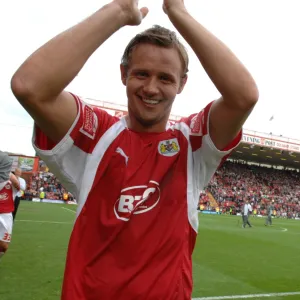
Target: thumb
x=144 y=12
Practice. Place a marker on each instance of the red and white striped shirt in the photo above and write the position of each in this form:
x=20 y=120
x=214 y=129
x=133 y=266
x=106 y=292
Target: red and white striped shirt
x=7 y=196
x=137 y=219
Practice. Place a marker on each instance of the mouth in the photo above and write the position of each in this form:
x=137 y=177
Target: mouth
x=149 y=102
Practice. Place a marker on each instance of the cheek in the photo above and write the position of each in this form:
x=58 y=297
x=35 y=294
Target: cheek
x=132 y=87
x=129 y=90
x=170 y=92
x=132 y=100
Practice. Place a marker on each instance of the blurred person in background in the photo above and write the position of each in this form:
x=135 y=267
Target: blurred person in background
x=20 y=194
x=270 y=209
x=247 y=209
x=9 y=187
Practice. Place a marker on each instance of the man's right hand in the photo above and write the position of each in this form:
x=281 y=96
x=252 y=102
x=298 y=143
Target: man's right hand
x=133 y=14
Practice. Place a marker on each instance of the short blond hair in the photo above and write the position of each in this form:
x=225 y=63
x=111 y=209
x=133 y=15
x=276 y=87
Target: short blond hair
x=159 y=36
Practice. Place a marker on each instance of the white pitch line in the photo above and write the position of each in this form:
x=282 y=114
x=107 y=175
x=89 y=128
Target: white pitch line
x=249 y=296
x=73 y=211
x=49 y=222
x=283 y=229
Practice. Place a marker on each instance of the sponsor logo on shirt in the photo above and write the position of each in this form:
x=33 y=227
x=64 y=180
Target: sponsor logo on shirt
x=90 y=122
x=197 y=124
x=122 y=153
x=6 y=237
x=168 y=147
x=3 y=196
x=137 y=200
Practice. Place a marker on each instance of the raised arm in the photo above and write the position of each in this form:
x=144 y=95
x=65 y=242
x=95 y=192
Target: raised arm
x=235 y=84
x=40 y=81
x=15 y=181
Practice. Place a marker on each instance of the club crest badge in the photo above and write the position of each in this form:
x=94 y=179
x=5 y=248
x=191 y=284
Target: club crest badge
x=168 y=147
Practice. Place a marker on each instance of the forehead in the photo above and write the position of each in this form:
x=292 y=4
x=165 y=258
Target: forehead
x=155 y=58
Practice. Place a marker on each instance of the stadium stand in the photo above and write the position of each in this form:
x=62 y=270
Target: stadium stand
x=234 y=183
x=46 y=182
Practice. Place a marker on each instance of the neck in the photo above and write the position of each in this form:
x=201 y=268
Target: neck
x=135 y=125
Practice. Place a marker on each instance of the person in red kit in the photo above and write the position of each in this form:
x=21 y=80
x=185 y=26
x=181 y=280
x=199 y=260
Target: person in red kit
x=137 y=179
x=9 y=186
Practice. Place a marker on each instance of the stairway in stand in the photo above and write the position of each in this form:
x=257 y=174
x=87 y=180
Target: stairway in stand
x=212 y=201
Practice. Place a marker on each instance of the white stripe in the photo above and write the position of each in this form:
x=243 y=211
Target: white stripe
x=249 y=296
x=192 y=194
x=73 y=211
x=49 y=222
x=94 y=159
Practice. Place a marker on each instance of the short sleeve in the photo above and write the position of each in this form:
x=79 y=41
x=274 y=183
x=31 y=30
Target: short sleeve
x=206 y=157
x=67 y=159
x=22 y=184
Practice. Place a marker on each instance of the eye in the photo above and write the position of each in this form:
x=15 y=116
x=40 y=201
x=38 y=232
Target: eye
x=141 y=74
x=165 y=78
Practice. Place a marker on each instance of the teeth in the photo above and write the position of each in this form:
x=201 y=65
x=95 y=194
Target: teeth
x=148 y=101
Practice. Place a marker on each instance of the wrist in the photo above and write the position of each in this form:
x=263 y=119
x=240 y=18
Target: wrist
x=121 y=15
x=175 y=10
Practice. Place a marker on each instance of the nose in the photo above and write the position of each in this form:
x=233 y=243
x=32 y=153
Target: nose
x=150 y=87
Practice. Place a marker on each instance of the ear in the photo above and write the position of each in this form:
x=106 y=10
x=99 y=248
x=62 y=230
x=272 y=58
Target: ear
x=123 y=74
x=182 y=84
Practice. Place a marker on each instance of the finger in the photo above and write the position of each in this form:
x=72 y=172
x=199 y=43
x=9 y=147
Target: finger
x=144 y=11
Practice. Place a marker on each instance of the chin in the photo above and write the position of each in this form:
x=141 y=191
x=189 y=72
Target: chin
x=147 y=122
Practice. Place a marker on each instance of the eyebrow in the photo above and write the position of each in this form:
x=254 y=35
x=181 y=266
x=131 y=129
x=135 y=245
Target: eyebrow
x=160 y=73
x=167 y=75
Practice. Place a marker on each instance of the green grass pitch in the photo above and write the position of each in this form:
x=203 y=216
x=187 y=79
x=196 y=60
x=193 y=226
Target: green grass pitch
x=228 y=260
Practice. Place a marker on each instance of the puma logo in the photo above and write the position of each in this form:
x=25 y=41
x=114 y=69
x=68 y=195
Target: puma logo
x=121 y=152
